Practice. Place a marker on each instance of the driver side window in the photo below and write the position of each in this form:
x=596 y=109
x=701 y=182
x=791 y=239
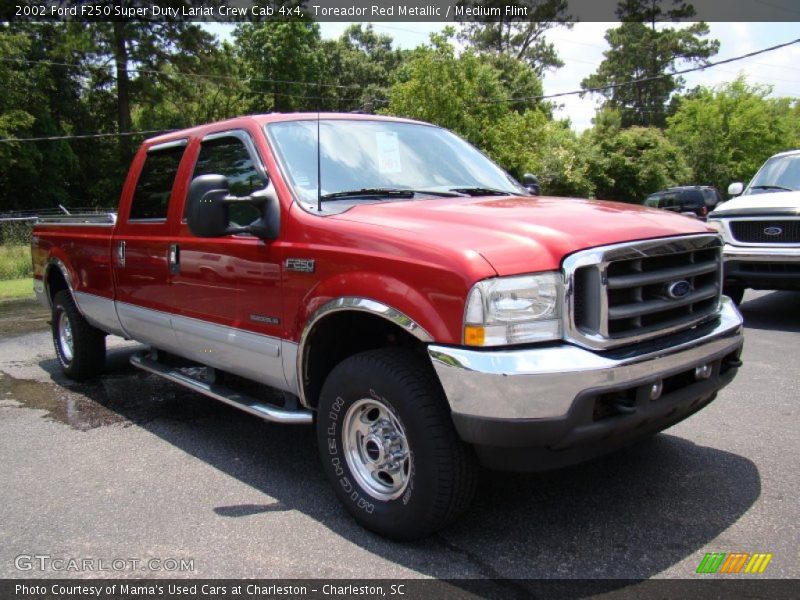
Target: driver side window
x=230 y=157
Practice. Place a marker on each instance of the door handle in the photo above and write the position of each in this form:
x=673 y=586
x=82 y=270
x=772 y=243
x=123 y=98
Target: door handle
x=121 y=254
x=174 y=259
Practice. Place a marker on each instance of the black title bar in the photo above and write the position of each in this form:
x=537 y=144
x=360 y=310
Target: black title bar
x=371 y=10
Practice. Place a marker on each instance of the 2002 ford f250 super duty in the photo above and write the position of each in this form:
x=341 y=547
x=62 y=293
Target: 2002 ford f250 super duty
x=415 y=303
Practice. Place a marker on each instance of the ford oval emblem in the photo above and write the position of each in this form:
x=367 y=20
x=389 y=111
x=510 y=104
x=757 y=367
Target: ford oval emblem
x=773 y=231
x=678 y=289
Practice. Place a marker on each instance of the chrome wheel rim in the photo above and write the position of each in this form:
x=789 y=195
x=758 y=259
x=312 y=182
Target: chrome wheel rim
x=65 y=336
x=376 y=449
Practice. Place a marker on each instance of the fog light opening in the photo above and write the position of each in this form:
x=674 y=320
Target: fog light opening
x=656 y=389
x=702 y=372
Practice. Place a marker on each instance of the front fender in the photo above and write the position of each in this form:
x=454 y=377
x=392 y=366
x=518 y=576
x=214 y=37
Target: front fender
x=386 y=297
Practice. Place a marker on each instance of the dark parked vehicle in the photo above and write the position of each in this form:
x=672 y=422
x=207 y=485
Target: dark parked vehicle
x=696 y=199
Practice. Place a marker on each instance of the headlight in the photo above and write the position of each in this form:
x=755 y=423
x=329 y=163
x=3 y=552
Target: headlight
x=718 y=226
x=513 y=310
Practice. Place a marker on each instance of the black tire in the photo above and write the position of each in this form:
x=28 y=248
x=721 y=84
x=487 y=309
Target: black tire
x=734 y=292
x=87 y=356
x=442 y=470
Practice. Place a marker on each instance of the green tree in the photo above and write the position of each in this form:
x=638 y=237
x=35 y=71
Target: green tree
x=457 y=92
x=38 y=100
x=523 y=40
x=629 y=164
x=726 y=133
x=209 y=88
x=285 y=64
x=641 y=49
x=461 y=93
x=531 y=142
x=360 y=66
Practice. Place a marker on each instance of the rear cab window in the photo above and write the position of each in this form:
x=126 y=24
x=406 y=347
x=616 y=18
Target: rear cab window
x=154 y=187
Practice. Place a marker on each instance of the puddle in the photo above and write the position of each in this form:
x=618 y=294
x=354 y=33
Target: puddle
x=134 y=398
x=18 y=317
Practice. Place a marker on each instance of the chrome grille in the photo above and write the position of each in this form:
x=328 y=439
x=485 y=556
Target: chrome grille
x=631 y=292
x=767 y=231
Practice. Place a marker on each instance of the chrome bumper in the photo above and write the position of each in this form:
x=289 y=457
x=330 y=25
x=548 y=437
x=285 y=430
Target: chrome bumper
x=777 y=254
x=543 y=382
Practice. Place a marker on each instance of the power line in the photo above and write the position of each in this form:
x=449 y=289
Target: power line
x=84 y=136
x=147 y=71
x=642 y=80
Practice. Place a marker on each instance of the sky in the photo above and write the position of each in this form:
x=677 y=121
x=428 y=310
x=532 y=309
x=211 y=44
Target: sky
x=581 y=48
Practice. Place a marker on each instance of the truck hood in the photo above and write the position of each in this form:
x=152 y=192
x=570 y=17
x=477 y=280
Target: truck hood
x=523 y=234
x=759 y=203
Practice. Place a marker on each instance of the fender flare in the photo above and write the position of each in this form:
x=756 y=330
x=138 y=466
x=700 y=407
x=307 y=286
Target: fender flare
x=352 y=304
x=57 y=263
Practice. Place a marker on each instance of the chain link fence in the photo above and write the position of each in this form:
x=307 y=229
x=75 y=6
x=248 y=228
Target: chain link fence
x=15 y=238
x=15 y=248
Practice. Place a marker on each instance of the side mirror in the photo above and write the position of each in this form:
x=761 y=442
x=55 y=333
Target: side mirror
x=531 y=183
x=208 y=202
x=735 y=189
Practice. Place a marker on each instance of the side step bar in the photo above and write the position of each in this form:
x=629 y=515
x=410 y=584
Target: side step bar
x=223 y=394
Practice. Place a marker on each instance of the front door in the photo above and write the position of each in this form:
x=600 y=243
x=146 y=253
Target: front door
x=227 y=290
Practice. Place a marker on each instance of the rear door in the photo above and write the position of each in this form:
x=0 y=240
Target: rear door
x=141 y=245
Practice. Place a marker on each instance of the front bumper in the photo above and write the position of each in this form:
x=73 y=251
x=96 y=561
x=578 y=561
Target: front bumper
x=546 y=406
x=762 y=267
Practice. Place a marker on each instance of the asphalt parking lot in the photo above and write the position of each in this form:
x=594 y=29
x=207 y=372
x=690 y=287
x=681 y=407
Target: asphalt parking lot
x=130 y=466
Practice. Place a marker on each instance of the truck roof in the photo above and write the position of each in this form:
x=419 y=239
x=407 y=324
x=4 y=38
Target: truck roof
x=786 y=153
x=263 y=119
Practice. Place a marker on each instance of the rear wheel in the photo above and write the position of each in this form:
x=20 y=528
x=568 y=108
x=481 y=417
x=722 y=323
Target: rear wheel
x=389 y=447
x=80 y=348
x=735 y=292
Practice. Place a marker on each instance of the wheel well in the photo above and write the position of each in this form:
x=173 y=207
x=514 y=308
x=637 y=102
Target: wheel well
x=342 y=335
x=55 y=282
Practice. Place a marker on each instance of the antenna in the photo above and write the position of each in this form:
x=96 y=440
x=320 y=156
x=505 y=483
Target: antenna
x=319 y=159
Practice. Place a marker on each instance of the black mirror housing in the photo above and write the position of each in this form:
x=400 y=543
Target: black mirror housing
x=531 y=183
x=208 y=202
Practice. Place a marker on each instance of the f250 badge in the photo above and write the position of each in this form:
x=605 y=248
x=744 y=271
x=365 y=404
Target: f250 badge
x=301 y=265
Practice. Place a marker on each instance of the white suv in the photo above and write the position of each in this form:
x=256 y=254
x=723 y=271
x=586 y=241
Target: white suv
x=761 y=228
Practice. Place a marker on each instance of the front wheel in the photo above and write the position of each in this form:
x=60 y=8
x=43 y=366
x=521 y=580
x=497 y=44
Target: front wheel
x=80 y=348
x=389 y=447
x=734 y=292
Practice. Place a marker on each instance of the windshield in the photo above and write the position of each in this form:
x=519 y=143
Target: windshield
x=381 y=155
x=780 y=173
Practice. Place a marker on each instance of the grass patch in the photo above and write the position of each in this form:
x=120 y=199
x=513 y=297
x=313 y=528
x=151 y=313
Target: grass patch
x=15 y=262
x=16 y=288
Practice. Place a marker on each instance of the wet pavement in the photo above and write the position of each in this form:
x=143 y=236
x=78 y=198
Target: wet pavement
x=18 y=317
x=130 y=465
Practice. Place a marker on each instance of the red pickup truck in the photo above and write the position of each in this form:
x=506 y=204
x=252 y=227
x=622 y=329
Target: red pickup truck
x=418 y=306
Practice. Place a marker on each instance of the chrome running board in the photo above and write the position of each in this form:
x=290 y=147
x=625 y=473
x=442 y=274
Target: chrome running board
x=223 y=394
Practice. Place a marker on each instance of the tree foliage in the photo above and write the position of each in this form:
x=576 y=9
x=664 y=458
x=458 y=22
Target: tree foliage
x=361 y=64
x=283 y=60
x=521 y=39
x=628 y=164
x=62 y=79
x=640 y=49
x=728 y=132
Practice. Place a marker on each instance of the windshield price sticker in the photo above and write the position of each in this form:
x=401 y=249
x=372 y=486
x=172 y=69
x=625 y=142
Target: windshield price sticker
x=388 y=152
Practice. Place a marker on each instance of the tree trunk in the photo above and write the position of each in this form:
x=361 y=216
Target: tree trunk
x=123 y=88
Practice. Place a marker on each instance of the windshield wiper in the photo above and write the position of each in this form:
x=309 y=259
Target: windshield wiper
x=771 y=187
x=480 y=191
x=386 y=192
